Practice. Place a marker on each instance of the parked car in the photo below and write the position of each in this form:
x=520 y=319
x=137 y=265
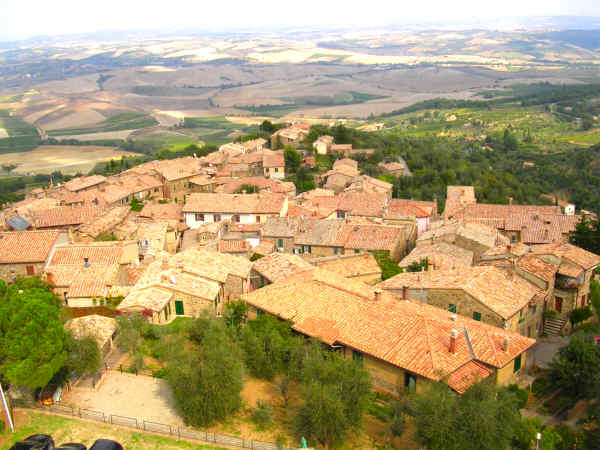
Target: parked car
x=35 y=442
x=106 y=444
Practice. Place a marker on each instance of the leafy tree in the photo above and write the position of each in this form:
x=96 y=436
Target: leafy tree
x=33 y=342
x=509 y=141
x=578 y=315
x=293 y=159
x=587 y=235
x=479 y=419
x=207 y=381
x=551 y=440
x=335 y=394
x=267 y=343
x=525 y=433
x=130 y=332
x=389 y=268
x=418 y=266
x=135 y=204
x=235 y=313
x=576 y=369
x=304 y=181
x=84 y=355
x=397 y=422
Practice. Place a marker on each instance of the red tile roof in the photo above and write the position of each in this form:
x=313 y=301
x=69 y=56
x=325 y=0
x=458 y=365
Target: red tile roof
x=26 y=246
x=500 y=290
x=407 y=334
x=77 y=184
x=263 y=203
x=66 y=215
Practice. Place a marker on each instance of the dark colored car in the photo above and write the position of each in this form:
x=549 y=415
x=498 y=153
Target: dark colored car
x=72 y=446
x=106 y=444
x=35 y=442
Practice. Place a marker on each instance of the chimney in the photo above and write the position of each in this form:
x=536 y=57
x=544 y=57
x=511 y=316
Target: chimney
x=86 y=262
x=453 y=337
x=378 y=293
x=505 y=343
x=404 y=292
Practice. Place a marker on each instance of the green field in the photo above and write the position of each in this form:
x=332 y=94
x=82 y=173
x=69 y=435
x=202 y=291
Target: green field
x=214 y=130
x=11 y=98
x=124 y=121
x=22 y=136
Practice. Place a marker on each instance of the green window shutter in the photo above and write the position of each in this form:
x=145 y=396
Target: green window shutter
x=452 y=308
x=335 y=250
x=356 y=250
x=477 y=315
x=280 y=243
x=357 y=356
x=179 y=308
x=517 y=364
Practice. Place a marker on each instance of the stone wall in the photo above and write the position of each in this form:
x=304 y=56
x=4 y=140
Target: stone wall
x=9 y=271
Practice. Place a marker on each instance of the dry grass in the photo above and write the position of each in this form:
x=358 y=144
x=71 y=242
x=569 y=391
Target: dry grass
x=69 y=159
x=122 y=134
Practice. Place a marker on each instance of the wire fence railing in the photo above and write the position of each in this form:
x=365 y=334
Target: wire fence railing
x=154 y=427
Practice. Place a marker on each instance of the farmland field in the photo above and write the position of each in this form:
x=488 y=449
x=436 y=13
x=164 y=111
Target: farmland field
x=69 y=159
x=16 y=134
x=124 y=121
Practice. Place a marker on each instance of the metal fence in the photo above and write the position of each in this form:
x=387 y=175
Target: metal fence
x=155 y=427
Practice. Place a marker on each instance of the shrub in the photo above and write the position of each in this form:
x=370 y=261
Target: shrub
x=539 y=385
x=521 y=395
x=263 y=414
x=160 y=373
x=580 y=315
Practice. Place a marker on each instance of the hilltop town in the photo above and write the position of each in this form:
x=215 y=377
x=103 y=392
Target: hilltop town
x=451 y=291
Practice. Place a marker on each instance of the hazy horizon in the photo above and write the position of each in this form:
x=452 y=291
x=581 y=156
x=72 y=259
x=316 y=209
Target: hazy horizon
x=67 y=17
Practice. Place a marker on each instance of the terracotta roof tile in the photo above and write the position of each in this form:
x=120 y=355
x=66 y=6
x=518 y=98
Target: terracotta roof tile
x=411 y=335
x=153 y=298
x=66 y=215
x=569 y=252
x=263 y=203
x=441 y=255
x=26 y=246
x=349 y=266
x=77 y=184
x=499 y=290
x=279 y=266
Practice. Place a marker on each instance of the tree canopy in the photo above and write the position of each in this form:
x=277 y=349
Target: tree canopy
x=33 y=342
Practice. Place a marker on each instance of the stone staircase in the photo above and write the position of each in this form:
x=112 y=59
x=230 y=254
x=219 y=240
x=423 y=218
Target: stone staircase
x=553 y=327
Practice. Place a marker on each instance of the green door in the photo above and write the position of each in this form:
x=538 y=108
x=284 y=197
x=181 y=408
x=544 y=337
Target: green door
x=178 y=307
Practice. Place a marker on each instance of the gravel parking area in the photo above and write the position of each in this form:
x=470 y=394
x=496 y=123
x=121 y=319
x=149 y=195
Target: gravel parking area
x=142 y=397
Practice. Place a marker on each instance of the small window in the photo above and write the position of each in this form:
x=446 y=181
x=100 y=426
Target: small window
x=30 y=270
x=341 y=214
x=452 y=308
x=534 y=309
x=306 y=249
x=280 y=243
x=521 y=314
x=477 y=315
x=335 y=250
x=236 y=218
x=217 y=217
x=357 y=356
x=517 y=365
x=174 y=187
x=199 y=217
x=257 y=219
x=276 y=169
x=356 y=250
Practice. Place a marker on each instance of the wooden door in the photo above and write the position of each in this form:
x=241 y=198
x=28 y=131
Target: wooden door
x=558 y=304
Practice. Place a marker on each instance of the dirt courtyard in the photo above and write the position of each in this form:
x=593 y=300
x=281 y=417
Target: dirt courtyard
x=142 y=397
x=69 y=159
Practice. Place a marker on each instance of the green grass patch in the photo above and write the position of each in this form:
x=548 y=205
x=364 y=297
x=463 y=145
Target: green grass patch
x=63 y=430
x=124 y=121
x=22 y=137
x=592 y=138
x=11 y=98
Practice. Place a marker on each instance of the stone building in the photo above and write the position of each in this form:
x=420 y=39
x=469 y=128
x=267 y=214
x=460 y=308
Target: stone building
x=25 y=253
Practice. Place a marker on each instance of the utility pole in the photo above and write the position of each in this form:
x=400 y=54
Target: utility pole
x=10 y=422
